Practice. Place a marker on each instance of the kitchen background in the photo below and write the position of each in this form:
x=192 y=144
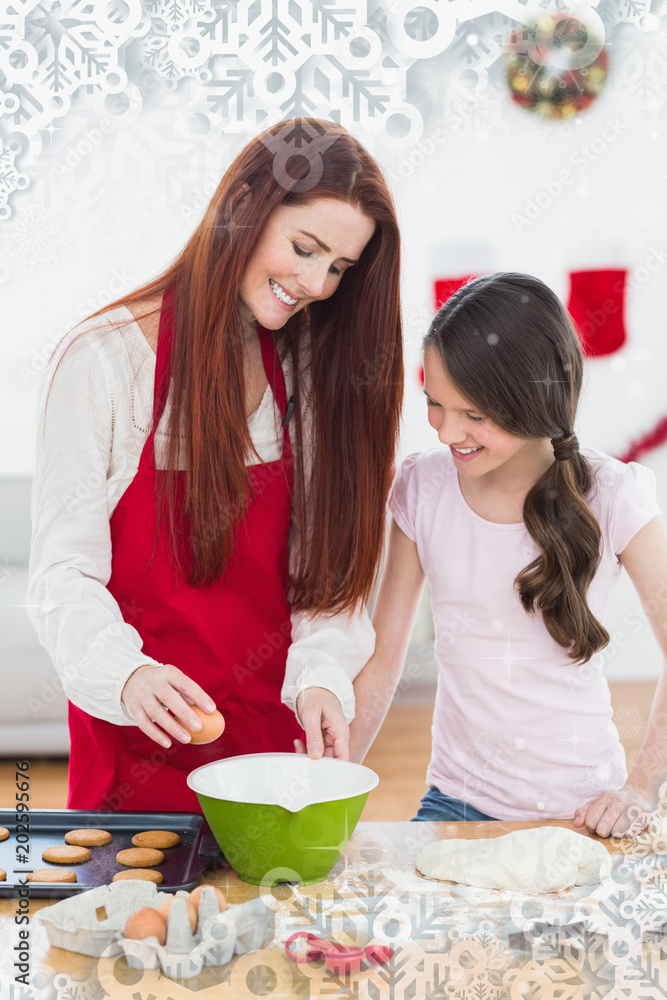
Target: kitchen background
x=118 y=118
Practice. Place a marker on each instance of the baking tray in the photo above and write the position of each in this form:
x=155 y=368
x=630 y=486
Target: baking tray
x=181 y=868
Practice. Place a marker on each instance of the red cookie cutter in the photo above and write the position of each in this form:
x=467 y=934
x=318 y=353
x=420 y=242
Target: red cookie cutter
x=338 y=958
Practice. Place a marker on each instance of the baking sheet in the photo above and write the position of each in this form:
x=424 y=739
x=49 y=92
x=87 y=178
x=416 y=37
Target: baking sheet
x=181 y=868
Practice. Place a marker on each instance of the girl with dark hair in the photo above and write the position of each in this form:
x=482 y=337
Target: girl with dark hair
x=213 y=465
x=522 y=535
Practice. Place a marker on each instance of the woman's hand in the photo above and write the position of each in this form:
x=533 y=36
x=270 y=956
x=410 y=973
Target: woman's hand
x=327 y=732
x=625 y=812
x=154 y=688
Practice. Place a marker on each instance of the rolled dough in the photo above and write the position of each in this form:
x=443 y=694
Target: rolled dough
x=542 y=859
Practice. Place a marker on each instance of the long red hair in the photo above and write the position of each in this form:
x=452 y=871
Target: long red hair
x=349 y=346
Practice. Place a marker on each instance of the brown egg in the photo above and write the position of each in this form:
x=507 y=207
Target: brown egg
x=164 y=908
x=146 y=923
x=213 y=725
x=195 y=896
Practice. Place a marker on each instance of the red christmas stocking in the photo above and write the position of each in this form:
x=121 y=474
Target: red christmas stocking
x=596 y=304
x=443 y=289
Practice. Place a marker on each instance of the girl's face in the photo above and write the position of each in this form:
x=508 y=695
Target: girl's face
x=478 y=446
x=300 y=258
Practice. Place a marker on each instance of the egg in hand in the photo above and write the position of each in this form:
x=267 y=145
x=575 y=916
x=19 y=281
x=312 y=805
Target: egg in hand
x=212 y=725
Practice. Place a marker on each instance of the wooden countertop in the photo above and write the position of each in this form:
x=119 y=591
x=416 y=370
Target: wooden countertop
x=374 y=851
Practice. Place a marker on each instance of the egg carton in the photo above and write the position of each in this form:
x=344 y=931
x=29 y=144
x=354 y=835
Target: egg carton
x=92 y=923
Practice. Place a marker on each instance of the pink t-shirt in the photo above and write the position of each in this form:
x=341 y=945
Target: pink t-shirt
x=519 y=730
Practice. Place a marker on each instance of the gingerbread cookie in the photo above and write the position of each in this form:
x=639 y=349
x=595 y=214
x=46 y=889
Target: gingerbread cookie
x=159 y=839
x=52 y=875
x=140 y=857
x=87 y=838
x=4 y=833
x=145 y=874
x=66 y=855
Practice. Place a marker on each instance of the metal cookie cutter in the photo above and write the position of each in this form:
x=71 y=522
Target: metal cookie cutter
x=338 y=958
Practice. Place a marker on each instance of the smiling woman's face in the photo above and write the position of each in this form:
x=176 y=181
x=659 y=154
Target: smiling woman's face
x=300 y=258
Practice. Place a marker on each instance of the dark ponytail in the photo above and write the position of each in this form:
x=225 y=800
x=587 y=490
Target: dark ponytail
x=525 y=376
x=563 y=527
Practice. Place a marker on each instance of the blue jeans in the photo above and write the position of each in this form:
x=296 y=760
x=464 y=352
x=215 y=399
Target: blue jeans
x=438 y=807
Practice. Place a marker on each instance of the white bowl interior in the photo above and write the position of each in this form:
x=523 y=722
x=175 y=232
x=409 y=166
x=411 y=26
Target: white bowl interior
x=290 y=780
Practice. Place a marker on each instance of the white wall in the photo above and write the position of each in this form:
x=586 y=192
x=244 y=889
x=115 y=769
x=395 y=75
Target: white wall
x=613 y=212
x=460 y=192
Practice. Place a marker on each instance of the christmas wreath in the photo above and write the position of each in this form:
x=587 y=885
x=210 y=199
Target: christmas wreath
x=557 y=65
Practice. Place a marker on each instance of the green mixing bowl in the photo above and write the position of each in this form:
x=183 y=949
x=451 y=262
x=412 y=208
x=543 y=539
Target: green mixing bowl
x=282 y=817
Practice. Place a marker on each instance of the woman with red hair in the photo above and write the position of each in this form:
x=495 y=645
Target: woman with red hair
x=213 y=465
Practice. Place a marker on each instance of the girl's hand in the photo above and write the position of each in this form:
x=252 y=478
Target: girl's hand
x=622 y=813
x=327 y=732
x=154 y=688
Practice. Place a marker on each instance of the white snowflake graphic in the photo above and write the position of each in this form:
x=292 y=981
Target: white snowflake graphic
x=33 y=237
x=10 y=178
x=70 y=989
x=629 y=722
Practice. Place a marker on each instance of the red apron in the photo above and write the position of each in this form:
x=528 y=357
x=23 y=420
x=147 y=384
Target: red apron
x=230 y=637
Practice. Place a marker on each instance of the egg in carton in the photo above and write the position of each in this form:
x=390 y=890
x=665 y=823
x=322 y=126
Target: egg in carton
x=239 y=929
x=93 y=923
